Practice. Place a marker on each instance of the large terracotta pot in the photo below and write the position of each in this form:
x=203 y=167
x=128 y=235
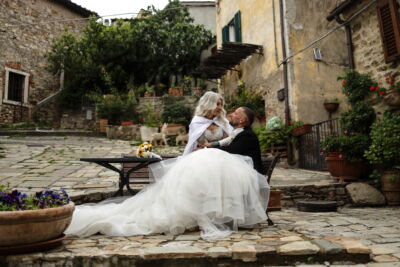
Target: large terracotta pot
x=32 y=226
x=390 y=181
x=344 y=169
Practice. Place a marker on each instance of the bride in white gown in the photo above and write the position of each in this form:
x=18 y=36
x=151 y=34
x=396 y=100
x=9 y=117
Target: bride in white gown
x=209 y=188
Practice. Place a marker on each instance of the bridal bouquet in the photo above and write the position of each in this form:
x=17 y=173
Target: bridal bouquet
x=145 y=151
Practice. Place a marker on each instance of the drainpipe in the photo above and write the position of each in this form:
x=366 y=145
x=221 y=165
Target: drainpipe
x=349 y=41
x=286 y=80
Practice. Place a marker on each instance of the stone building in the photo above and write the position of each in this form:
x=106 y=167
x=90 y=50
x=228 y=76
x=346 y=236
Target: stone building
x=374 y=34
x=265 y=33
x=203 y=12
x=26 y=32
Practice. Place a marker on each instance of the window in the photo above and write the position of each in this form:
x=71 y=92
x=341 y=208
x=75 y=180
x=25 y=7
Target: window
x=16 y=87
x=389 y=22
x=232 y=32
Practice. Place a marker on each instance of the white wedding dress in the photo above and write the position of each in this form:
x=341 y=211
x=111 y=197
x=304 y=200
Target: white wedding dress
x=209 y=188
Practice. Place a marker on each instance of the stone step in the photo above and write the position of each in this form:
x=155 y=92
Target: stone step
x=245 y=248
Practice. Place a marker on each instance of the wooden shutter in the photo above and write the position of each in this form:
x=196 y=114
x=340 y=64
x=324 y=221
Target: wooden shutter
x=238 y=27
x=388 y=16
x=225 y=34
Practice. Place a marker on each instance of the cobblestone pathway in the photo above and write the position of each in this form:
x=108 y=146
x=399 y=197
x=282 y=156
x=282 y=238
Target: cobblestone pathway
x=368 y=236
x=36 y=163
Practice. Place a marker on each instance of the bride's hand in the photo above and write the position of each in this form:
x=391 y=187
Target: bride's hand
x=206 y=144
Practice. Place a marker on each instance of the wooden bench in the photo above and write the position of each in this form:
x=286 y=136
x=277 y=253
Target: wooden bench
x=141 y=176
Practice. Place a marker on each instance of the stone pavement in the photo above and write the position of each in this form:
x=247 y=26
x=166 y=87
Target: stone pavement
x=35 y=163
x=370 y=236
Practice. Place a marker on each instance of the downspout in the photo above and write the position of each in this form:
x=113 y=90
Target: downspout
x=349 y=41
x=285 y=80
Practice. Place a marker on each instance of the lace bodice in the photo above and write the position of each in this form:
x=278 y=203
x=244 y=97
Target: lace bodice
x=211 y=135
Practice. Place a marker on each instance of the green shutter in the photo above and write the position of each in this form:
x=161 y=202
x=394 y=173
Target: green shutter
x=225 y=34
x=238 y=27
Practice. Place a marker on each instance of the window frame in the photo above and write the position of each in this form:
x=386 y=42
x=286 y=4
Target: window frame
x=393 y=6
x=235 y=34
x=24 y=91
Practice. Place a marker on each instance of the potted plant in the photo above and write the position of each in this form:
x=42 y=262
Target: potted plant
x=42 y=216
x=384 y=154
x=331 y=104
x=117 y=108
x=300 y=128
x=344 y=154
x=273 y=135
x=392 y=94
x=149 y=90
x=174 y=89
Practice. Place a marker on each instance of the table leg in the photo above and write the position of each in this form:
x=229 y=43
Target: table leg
x=121 y=183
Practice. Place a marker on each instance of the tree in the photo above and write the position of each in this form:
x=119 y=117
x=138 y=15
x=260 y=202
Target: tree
x=119 y=57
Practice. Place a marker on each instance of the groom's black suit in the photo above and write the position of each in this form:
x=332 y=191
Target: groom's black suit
x=246 y=143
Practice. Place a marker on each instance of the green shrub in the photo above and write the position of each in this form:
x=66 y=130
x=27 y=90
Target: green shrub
x=358 y=119
x=247 y=98
x=117 y=108
x=270 y=139
x=352 y=146
x=384 y=150
x=356 y=85
x=176 y=113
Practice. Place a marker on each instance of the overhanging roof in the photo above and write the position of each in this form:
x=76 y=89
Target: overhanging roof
x=75 y=8
x=226 y=58
x=341 y=8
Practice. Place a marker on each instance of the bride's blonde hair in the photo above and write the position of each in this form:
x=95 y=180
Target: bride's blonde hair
x=207 y=103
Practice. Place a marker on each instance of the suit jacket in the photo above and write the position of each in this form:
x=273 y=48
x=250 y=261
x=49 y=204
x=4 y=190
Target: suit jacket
x=246 y=143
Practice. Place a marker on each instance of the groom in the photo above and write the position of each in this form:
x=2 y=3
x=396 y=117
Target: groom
x=246 y=141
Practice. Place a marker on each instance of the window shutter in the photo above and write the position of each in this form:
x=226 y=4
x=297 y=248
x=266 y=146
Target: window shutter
x=388 y=14
x=238 y=27
x=225 y=34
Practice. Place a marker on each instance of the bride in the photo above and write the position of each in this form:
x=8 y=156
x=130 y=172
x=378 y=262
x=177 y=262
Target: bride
x=208 y=188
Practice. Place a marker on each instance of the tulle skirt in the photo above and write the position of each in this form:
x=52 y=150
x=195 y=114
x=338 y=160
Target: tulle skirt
x=209 y=188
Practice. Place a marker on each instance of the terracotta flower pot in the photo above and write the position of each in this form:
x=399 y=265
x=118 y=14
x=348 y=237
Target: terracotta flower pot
x=301 y=130
x=32 y=226
x=344 y=169
x=125 y=123
x=331 y=106
x=175 y=91
x=274 y=203
x=390 y=181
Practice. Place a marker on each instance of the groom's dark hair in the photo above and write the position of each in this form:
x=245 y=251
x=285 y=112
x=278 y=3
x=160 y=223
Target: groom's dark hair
x=249 y=114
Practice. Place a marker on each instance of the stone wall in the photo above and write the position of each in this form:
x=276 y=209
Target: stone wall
x=333 y=192
x=368 y=48
x=310 y=81
x=23 y=45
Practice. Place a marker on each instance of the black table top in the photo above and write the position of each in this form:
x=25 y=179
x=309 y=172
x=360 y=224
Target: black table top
x=121 y=160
